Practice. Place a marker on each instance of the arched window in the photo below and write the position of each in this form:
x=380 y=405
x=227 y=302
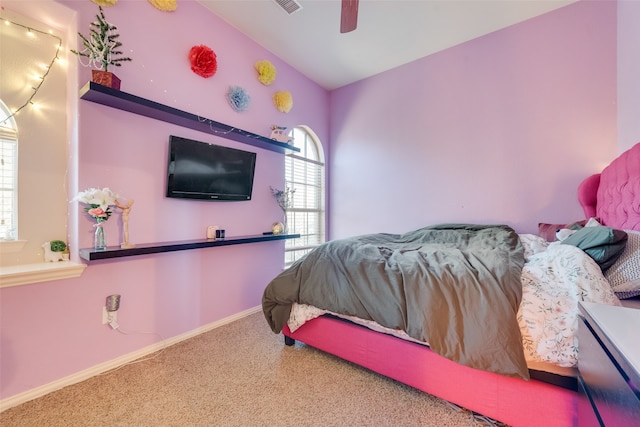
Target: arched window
x=304 y=172
x=8 y=175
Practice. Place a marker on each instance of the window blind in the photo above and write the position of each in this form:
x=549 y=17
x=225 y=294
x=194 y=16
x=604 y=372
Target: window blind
x=304 y=172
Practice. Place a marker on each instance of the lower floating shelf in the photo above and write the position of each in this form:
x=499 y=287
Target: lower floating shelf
x=90 y=254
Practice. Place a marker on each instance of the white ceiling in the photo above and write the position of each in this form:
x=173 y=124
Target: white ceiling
x=390 y=33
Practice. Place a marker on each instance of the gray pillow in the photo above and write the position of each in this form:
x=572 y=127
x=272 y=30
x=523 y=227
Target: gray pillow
x=603 y=244
x=624 y=274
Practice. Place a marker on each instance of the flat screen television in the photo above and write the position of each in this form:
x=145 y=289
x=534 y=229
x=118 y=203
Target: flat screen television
x=197 y=170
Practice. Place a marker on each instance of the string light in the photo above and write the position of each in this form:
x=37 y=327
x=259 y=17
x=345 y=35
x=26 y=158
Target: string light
x=31 y=33
x=214 y=127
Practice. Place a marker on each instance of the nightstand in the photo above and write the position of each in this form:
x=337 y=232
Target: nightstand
x=609 y=366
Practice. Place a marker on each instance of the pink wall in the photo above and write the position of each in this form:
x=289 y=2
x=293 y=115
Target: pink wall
x=628 y=72
x=500 y=129
x=53 y=329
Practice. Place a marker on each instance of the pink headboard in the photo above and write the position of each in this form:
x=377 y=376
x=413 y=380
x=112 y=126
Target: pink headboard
x=614 y=194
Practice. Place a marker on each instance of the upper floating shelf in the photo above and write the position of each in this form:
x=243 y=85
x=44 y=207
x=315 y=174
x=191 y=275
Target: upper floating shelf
x=134 y=104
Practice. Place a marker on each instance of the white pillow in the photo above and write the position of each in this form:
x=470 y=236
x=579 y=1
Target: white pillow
x=593 y=222
x=624 y=274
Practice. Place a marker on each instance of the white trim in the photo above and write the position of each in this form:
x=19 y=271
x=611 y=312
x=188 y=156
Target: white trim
x=39 y=272
x=304 y=159
x=117 y=362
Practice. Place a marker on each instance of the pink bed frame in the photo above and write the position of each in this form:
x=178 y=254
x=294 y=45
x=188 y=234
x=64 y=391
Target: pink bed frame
x=510 y=400
x=612 y=196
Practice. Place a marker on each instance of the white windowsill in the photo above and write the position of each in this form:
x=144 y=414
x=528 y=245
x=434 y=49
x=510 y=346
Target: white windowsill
x=39 y=272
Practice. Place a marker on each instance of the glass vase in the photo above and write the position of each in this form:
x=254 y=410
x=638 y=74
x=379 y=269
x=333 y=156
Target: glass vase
x=98 y=238
x=285 y=224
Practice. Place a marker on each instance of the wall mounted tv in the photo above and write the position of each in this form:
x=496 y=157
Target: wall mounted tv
x=197 y=170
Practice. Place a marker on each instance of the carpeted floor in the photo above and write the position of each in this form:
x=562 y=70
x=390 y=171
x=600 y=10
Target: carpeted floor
x=240 y=374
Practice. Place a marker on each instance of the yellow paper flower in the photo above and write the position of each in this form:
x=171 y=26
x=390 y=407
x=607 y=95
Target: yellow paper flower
x=165 y=5
x=283 y=101
x=105 y=3
x=266 y=72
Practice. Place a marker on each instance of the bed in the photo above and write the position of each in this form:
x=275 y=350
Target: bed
x=507 y=392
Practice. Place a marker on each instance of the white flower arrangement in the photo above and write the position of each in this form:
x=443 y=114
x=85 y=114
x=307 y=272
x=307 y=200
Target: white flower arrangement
x=99 y=201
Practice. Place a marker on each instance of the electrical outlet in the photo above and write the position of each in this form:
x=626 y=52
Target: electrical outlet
x=109 y=317
x=110 y=311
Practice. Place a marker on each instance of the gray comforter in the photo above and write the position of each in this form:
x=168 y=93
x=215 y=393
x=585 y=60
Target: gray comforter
x=455 y=286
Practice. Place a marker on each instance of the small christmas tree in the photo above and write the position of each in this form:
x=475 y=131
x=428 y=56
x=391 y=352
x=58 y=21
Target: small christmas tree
x=102 y=45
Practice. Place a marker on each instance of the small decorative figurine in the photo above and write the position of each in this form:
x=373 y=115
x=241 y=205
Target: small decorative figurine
x=126 y=209
x=55 y=250
x=279 y=134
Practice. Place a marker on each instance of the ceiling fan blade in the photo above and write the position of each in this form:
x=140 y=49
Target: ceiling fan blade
x=349 y=16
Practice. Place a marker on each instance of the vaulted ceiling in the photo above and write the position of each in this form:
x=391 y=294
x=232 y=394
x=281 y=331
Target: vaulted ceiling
x=389 y=33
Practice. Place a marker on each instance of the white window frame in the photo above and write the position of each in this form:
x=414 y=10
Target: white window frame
x=309 y=198
x=8 y=175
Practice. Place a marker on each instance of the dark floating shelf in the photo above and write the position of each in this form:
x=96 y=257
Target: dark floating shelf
x=134 y=104
x=91 y=254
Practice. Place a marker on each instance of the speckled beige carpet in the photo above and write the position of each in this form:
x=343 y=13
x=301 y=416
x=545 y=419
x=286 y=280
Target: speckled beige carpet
x=240 y=374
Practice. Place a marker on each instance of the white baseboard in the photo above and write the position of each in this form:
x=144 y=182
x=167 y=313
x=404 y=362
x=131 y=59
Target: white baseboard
x=26 y=396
